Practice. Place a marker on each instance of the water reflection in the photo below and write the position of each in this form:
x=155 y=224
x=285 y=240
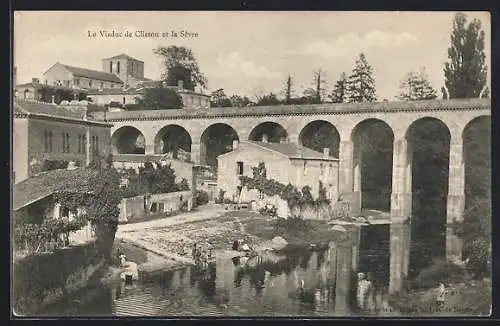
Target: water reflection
x=298 y=281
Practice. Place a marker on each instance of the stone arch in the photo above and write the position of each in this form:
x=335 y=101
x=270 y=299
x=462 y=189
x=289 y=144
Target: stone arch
x=274 y=132
x=172 y=139
x=128 y=140
x=320 y=134
x=476 y=142
x=373 y=142
x=428 y=148
x=215 y=140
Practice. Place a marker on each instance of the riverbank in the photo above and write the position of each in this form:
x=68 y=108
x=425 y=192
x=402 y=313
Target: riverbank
x=168 y=242
x=464 y=297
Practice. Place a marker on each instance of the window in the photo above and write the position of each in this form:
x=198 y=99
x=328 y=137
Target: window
x=124 y=100
x=102 y=85
x=65 y=142
x=161 y=207
x=321 y=169
x=305 y=168
x=76 y=81
x=95 y=145
x=81 y=143
x=239 y=168
x=111 y=85
x=47 y=135
x=261 y=195
x=111 y=66
x=118 y=67
x=90 y=83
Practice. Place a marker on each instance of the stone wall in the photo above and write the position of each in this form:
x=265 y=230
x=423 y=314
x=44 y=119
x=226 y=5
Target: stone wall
x=136 y=208
x=41 y=280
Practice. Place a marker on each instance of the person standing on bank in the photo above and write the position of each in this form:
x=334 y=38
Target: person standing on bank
x=440 y=296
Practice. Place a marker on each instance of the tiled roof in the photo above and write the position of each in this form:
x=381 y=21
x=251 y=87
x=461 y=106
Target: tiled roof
x=35 y=188
x=27 y=106
x=93 y=74
x=291 y=150
x=125 y=56
x=38 y=86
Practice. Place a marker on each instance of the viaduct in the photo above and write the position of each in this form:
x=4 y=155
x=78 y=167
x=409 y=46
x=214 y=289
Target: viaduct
x=297 y=122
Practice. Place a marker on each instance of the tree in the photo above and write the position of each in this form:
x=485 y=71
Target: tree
x=268 y=99
x=416 y=86
x=239 y=101
x=177 y=57
x=316 y=93
x=287 y=90
x=339 y=93
x=159 y=98
x=102 y=209
x=361 y=84
x=219 y=99
x=465 y=73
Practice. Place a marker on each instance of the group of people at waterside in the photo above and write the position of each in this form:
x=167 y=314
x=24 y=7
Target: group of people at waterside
x=202 y=255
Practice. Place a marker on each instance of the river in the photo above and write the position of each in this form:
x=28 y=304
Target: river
x=297 y=282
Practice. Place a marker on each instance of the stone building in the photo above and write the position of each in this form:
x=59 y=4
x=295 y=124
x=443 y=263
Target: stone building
x=44 y=132
x=128 y=69
x=34 y=200
x=284 y=162
x=76 y=77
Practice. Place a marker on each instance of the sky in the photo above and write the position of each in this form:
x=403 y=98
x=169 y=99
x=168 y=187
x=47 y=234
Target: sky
x=247 y=53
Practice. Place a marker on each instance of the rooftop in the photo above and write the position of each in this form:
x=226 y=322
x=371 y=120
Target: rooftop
x=21 y=106
x=46 y=183
x=27 y=107
x=292 y=150
x=93 y=74
x=305 y=109
x=123 y=56
x=39 y=85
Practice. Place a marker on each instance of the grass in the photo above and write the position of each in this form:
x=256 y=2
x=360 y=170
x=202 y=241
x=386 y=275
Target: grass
x=464 y=297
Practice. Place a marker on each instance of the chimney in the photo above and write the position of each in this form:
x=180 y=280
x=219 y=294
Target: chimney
x=235 y=144
x=326 y=152
x=264 y=138
x=180 y=84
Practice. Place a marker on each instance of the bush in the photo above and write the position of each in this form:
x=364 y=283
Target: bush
x=439 y=271
x=201 y=197
x=49 y=165
x=220 y=198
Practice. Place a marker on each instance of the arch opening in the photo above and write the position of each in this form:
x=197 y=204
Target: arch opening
x=477 y=185
x=373 y=146
x=429 y=150
x=269 y=131
x=321 y=134
x=128 y=140
x=216 y=140
x=174 y=140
